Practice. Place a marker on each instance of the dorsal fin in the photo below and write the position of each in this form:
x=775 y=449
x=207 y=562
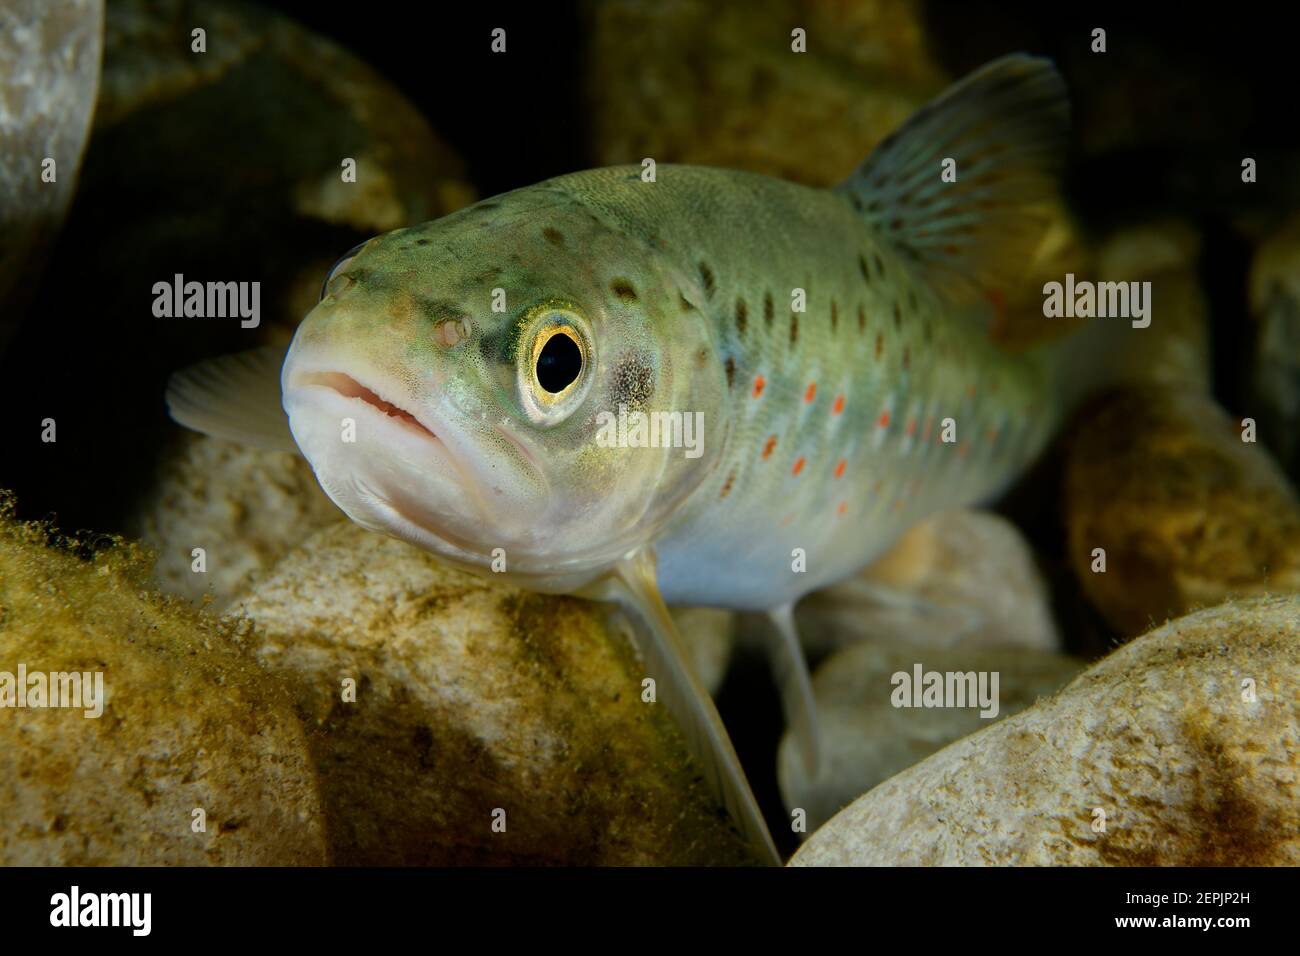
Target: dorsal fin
x=1004 y=126
x=235 y=397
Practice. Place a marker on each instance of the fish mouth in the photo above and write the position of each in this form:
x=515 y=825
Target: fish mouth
x=423 y=452
x=348 y=387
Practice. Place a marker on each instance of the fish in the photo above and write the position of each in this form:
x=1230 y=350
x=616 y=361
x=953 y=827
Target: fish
x=456 y=385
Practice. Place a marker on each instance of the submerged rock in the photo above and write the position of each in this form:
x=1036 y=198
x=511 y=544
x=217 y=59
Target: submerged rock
x=49 y=74
x=475 y=703
x=245 y=507
x=1182 y=748
x=957 y=579
x=1185 y=513
x=719 y=85
x=867 y=739
x=278 y=110
x=1275 y=373
x=189 y=723
x=1175 y=349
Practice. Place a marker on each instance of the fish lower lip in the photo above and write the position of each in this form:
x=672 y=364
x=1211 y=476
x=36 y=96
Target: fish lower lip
x=349 y=387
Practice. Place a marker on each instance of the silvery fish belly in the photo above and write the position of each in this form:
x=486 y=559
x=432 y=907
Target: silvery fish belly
x=705 y=385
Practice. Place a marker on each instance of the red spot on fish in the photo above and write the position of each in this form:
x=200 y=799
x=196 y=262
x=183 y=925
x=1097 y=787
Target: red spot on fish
x=767 y=448
x=844 y=506
x=798 y=465
x=809 y=395
x=759 y=383
x=788 y=518
x=839 y=405
x=911 y=427
x=839 y=469
x=880 y=344
x=970 y=391
x=993 y=436
x=884 y=419
x=963 y=448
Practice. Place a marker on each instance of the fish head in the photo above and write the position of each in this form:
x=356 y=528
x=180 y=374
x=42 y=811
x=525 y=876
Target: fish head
x=460 y=384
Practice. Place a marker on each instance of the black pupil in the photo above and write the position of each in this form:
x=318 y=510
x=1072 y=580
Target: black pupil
x=559 y=363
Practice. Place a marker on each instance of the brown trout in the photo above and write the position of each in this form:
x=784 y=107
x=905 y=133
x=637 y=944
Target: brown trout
x=700 y=386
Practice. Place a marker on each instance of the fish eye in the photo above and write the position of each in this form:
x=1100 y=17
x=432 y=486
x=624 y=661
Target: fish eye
x=334 y=270
x=558 y=359
x=554 y=363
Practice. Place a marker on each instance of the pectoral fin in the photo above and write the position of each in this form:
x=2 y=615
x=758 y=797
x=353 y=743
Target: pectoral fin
x=235 y=397
x=689 y=703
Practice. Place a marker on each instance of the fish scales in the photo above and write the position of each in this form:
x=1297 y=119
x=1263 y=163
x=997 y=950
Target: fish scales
x=831 y=427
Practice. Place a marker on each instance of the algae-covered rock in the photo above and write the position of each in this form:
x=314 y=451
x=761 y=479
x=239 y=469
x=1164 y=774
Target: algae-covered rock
x=1181 y=748
x=867 y=739
x=475 y=703
x=1184 y=511
x=49 y=72
x=958 y=578
x=720 y=85
x=188 y=722
x=244 y=507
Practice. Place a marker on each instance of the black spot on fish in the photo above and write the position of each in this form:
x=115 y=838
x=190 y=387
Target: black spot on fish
x=632 y=380
x=553 y=236
x=421 y=242
x=929 y=332
x=731 y=371
x=624 y=290
x=769 y=309
x=898 y=318
x=911 y=300
x=742 y=315
x=862 y=318
x=880 y=266
x=857 y=203
x=684 y=302
x=907 y=357
x=835 y=315
x=706 y=277
x=794 y=328
x=862 y=267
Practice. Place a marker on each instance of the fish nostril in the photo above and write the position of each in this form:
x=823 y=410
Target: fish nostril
x=450 y=332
